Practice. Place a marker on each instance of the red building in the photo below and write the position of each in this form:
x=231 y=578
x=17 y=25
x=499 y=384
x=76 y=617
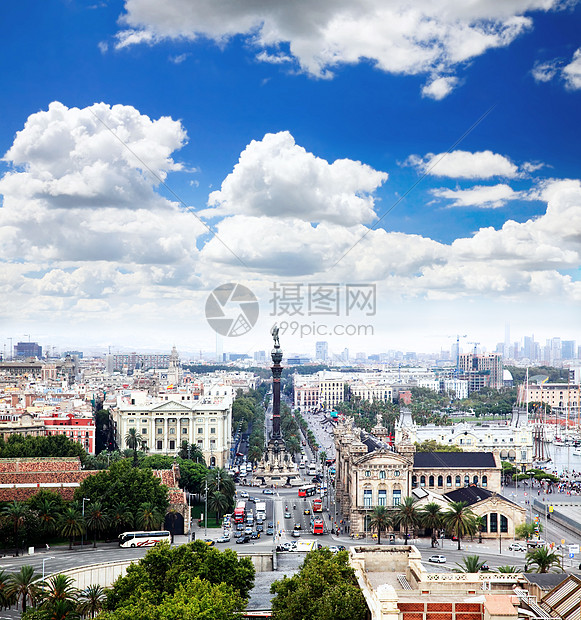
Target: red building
x=80 y=429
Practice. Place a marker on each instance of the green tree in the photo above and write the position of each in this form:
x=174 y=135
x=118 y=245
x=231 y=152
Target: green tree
x=381 y=521
x=430 y=516
x=92 y=599
x=97 y=520
x=219 y=503
x=508 y=569
x=16 y=513
x=431 y=445
x=133 y=441
x=544 y=559
x=148 y=517
x=124 y=486
x=325 y=588
x=58 y=598
x=18 y=446
x=23 y=586
x=255 y=453
x=406 y=515
x=526 y=530
x=470 y=564
x=293 y=445
x=47 y=507
x=71 y=524
x=6 y=599
x=193 y=600
x=459 y=519
x=121 y=517
x=191 y=452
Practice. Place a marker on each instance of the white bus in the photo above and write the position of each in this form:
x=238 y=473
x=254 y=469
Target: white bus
x=312 y=469
x=143 y=539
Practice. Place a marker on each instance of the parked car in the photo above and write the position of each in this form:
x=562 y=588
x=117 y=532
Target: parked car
x=516 y=546
x=334 y=549
x=244 y=494
x=438 y=559
x=485 y=566
x=268 y=492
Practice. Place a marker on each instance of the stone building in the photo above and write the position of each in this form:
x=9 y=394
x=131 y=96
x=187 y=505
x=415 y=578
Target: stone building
x=371 y=473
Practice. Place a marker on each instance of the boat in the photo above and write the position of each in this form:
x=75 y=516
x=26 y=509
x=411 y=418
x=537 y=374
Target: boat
x=577 y=451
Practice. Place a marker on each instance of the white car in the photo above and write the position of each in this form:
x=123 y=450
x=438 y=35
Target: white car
x=438 y=559
x=334 y=549
x=516 y=547
x=244 y=494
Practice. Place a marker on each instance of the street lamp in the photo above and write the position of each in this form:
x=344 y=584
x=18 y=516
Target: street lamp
x=43 y=561
x=206 y=513
x=85 y=499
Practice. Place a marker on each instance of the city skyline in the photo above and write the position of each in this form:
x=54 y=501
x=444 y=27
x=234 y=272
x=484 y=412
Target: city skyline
x=407 y=175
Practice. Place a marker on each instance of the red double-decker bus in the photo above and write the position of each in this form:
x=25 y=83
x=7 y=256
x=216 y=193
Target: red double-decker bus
x=307 y=491
x=317 y=504
x=240 y=512
x=318 y=526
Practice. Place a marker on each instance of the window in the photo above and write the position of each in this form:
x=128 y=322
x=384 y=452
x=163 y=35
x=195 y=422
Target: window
x=382 y=498
x=160 y=445
x=382 y=475
x=493 y=522
x=396 y=497
x=213 y=430
x=448 y=481
x=172 y=431
x=422 y=481
x=484 y=481
x=440 y=481
x=184 y=431
x=367 y=498
x=200 y=430
x=143 y=431
x=458 y=481
x=475 y=480
x=466 y=480
x=172 y=445
x=484 y=525
x=503 y=524
x=431 y=481
x=200 y=443
x=367 y=474
x=160 y=431
x=414 y=482
x=396 y=473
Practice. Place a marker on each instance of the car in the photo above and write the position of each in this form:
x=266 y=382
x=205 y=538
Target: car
x=210 y=542
x=302 y=466
x=238 y=534
x=259 y=521
x=223 y=539
x=516 y=547
x=244 y=494
x=287 y=546
x=268 y=492
x=255 y=535
x=334 y=549
x=287 y=514
x=270 y=531
x=260 y=528
x=296 y=534
x=438 y=559
x=248 y=531
x=306 y=511
x=242 y=540
x=342 y=547
x=297 y=526
x=270 y=524
x=252 y=499
x=485 y=566
x=239 y=527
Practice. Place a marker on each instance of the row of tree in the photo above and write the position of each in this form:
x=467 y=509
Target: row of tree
x=19 y=446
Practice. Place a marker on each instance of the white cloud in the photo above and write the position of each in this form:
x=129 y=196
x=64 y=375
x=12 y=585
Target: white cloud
x=465 y=165
x=398 y=37
x=177 y=60
x=545 y=71
x=572 y=71
x=481 y=196
x=439 y=88
x=278 y=178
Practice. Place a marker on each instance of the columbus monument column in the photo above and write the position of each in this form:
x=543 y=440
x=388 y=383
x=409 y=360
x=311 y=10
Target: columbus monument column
x=276 y=368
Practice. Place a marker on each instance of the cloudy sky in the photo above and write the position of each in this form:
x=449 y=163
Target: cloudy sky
x=413 y=167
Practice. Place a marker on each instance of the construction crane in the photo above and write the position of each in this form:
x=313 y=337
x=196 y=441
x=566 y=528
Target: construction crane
x=458 y=350
x=475 y=347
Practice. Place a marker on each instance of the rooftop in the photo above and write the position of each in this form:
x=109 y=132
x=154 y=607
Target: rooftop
x=451 y=460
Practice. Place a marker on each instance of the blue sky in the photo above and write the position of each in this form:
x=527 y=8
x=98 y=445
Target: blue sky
x=237 y=110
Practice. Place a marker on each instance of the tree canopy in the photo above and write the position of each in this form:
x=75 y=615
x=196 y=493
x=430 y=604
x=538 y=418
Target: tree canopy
x=325 y=588
x=19 y=446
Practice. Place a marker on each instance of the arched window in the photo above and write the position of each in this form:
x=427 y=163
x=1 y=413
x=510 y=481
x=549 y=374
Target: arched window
x=458 y=481
x=448 y=481
x=440 y=481
x=212 y=461
x=414 y=482
x=494 y=522
x=422 y=481
x=475 y=480
x=503 y=524
x=484 y=481
x=484 y=526
x=466 y=480
x=431 y=481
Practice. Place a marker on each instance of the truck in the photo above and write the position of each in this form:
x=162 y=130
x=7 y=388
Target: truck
x=261 y=510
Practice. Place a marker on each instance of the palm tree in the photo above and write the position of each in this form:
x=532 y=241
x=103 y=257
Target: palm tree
x=219 y=503
x=149 y=517
x=508 y=569
x=23 y=585
x=459 y=519
x=121 y=517
x=220 y=480
x=407 y=514
x=292 y=445
x=47 y=513
x=133 y=441
x=543 y=559
x=59 y=598
x=479 y=522
x=471 y=564
x=97 y=520
x=381 y=520
x=431 y=517
x=17 y=513
x=5 y=598
x=92 y=601
x=71 y=524
x=255 y=453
